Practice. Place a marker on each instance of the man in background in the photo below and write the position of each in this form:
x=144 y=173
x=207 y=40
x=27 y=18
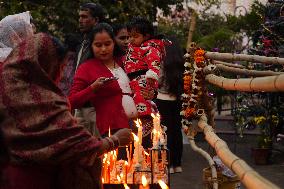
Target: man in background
x=90 y=14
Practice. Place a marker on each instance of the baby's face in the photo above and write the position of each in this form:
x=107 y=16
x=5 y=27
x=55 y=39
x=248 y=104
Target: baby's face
x=136 y=38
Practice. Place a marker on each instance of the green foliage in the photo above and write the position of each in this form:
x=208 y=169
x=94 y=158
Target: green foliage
x=49 y=15
x=216 y=31
x=61 y=16
x=220 y=38
x=177 y=29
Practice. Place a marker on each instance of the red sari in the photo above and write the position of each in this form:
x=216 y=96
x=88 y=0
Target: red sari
x=45 y=142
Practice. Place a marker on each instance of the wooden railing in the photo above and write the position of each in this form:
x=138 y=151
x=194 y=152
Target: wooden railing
x=265 y=81
x=249 y=177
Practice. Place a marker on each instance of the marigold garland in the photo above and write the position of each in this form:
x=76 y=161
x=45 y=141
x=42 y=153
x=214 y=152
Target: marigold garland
x=199 y=53
x=187 y=83
x=192 y=85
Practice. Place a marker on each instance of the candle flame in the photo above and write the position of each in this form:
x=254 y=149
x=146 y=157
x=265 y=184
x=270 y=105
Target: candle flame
x=138 y=123
x=136 y=138
x=126 y=163
x=126 y=186
x=144 y=181
x=118 y=178
x=103 y=180
x=109 y=132
x=162 y=184
x=146 y=153
x=153 y=115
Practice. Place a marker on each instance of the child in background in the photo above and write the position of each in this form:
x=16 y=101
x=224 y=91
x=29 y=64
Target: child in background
x=142 y=65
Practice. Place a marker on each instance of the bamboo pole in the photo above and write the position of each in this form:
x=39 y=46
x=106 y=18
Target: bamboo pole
x=228 y=57
x=191 y=28
x=208 y=158
x=228 y=64
x=250 y=178
x=263 y=84
x=247 y=72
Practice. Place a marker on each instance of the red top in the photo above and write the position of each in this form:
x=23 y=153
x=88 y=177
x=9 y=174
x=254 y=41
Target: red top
x=107 y=100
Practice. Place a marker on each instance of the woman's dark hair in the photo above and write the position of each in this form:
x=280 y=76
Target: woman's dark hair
x=60 y=48
x=72 y=41
x=117 y=52
x=141 y=25
x=97 y=10
x=117 y=27
x=173 y=67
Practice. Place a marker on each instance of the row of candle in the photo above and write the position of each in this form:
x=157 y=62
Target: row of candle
x=121 y=172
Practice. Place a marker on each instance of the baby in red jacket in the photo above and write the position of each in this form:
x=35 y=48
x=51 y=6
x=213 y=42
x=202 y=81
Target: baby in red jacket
x=142 y=61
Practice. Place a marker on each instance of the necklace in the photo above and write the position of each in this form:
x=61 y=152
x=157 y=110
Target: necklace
x=112 y=66
x=114 y=63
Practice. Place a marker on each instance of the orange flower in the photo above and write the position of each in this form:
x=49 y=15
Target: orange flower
x=187 y=79
x=199 y=59
x=199 y=52
x=187 y=83
x=189 y=112
x=187 y=88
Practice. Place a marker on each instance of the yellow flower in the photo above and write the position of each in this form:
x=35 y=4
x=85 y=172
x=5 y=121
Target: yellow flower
x=259 y=120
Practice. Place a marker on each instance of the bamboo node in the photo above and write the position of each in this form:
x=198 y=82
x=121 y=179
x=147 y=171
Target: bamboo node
x=235 y=160
x=250 y=84
x=214 y=145
x=274 y=82
x=235 y=83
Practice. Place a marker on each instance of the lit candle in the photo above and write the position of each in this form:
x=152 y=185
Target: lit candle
x=163 y=184
x=145 y=184
x=139 y=126
x=126 y=170
x=127 y=153
x=156 y=130
x=126 y=186
x=118 y=179
x=138 y=147
x=147 y=156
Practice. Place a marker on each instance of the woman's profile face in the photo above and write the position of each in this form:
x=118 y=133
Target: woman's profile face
x=122 y=39
x=103 y=46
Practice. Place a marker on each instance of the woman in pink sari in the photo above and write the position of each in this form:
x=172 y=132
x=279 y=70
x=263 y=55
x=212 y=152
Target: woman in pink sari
x=48 y=149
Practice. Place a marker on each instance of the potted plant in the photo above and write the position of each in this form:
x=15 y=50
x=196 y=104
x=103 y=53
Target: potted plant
x=266 y=123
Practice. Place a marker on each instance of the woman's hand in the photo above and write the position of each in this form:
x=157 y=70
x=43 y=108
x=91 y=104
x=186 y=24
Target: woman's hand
x=98 y=83
x=124 y=136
